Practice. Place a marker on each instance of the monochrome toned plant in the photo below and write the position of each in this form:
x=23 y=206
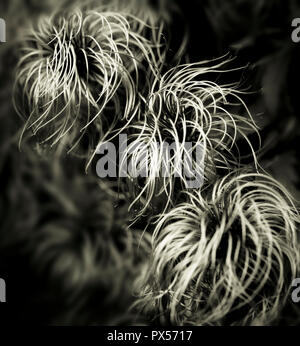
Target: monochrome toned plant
x=80 y=69
x=186 y=107
x=228 y=258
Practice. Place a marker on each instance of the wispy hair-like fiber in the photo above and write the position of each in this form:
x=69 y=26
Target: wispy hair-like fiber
x=184 y=106
x=225 y=259
x=81 y=68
